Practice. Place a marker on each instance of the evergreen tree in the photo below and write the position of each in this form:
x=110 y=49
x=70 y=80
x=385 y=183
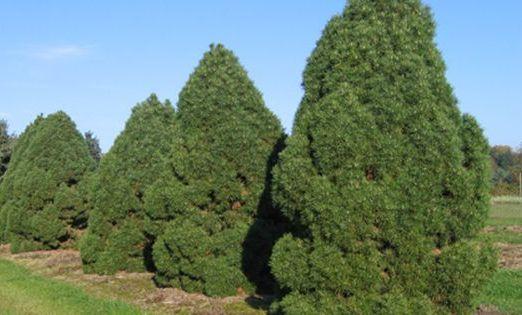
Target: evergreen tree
x=215 y=197
x=116 y=239
x=94 y=146
x=383 y=180
x=42 y=205
x=6 y=185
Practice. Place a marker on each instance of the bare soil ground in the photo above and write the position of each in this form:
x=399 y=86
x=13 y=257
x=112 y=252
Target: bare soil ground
x=511 y=256
x=488 y=310
x=134 y=288
x=512 y=229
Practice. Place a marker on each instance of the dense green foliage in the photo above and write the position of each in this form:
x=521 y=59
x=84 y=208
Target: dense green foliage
x=384 y=181
x=216 y=198
x=116 y=239
x=7 y=142
x=474 y=197
x=40 y=197
x=507 y=169
x=6 y=186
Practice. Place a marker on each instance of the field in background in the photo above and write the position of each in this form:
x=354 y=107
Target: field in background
x=507 y=199
x=52 y=282
x=504 y=228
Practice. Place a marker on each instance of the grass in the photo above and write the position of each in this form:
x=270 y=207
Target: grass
x=136 y=289
x=505 y=214
x=243 y=309
x=502 y=235
x=504 y=291
x=503 y=218
x=22 y=292
x=507 y=199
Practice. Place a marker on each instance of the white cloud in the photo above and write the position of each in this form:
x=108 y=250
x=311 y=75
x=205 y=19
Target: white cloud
x=59 y=52
x=4 y=115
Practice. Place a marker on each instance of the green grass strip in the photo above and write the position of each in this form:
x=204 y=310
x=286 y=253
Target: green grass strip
x=505 y=215
x=502 y=236
x=24 y=293
x=504 y=291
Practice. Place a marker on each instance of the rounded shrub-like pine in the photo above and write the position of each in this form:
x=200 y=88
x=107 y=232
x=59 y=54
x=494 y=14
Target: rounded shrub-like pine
x=384 y=181
x=215 y=198
x=41 y=196
x=116 y=238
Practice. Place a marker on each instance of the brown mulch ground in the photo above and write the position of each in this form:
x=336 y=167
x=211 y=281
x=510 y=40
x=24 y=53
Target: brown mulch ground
x=487 y=310
x=511 y=256
x=512 y=229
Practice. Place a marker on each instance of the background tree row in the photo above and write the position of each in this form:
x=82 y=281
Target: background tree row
x=507 y=167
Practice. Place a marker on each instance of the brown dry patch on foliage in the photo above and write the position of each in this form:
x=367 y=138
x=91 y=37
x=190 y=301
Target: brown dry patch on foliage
x=134 y=288
x=511 y=256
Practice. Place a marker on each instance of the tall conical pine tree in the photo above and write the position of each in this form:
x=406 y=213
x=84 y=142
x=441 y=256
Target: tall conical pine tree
x=384 y=193
x=43 y=207
x=6 y=186
x=216 y=198
x=116 y=239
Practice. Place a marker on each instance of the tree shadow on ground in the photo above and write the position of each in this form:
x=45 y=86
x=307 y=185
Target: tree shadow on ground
x=260 y=302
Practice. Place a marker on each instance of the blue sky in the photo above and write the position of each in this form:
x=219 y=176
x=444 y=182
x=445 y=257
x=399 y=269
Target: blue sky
x=96 y=59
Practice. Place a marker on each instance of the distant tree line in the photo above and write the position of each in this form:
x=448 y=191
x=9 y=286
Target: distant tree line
x=371 y=206
x=507 y=168
x=7 y=142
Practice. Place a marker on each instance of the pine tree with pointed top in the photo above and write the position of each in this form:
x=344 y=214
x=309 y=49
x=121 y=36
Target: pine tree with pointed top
x=384 y=184
x=42 y=206
x=6 y=186
x=116 y=239
x=216 y=198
